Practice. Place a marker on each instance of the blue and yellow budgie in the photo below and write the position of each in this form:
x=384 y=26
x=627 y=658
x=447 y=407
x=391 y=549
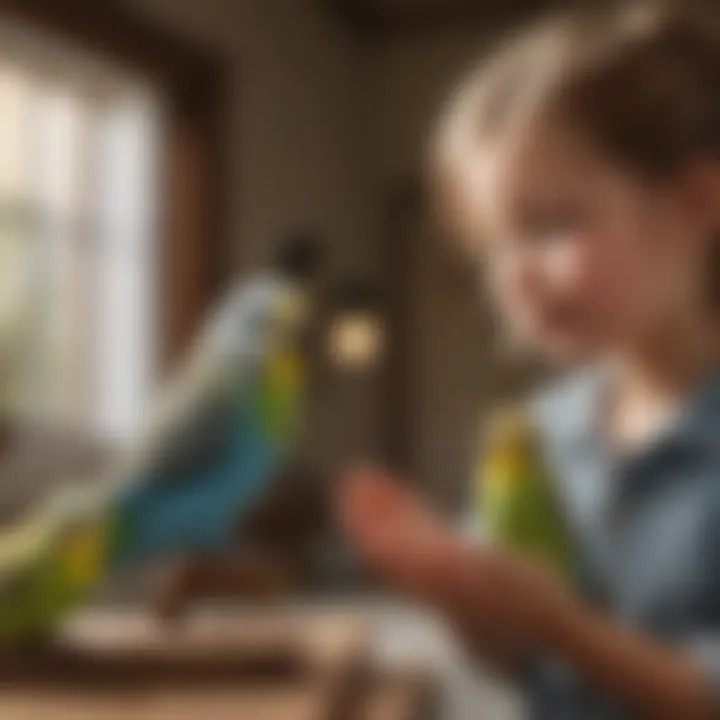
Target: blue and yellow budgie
x=517 y=505
x=225 y=428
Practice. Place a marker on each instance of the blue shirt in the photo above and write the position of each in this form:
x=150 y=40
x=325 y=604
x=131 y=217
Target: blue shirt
x=647 y=528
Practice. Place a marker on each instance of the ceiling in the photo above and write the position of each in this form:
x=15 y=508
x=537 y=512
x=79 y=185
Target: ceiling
x=416 y=5
x=432 y=14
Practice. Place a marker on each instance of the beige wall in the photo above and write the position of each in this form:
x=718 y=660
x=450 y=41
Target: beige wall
x=414 y=74
x=295 y=153
x=299 y=157
x=325 y=125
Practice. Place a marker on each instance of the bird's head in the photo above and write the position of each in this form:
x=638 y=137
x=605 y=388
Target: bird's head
x=289 y=319
x=274 y=315
x=510 y=446
x=299 y=263
x=273 y=318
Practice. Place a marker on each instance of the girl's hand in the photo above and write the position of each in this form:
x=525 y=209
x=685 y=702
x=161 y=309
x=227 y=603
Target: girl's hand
x=495 y=597
x=513 y=608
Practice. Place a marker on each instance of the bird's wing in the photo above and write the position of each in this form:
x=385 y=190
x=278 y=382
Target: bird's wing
x=196 y=399
x=211 y=457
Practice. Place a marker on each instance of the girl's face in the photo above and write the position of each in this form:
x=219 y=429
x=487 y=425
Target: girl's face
x=583 y=257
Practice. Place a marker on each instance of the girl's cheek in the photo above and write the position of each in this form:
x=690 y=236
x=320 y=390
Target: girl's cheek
x=555 y=277
x=620 y=295
x=561 y=300
x=560 y=297
x=600 y=287
x=534 y=287
x=565 y=269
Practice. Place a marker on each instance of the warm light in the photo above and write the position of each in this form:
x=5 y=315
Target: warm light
x=356 y=340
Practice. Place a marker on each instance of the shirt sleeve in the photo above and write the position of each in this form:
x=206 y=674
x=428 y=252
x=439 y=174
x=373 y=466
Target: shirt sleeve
x=703 y=644
x=704 y=649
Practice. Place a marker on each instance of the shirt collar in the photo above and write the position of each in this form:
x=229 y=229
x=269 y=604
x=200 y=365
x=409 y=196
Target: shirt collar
x=697 y=428
x=569 y=412
x=699 y=424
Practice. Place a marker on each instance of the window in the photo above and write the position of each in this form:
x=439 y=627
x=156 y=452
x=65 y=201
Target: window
x=78 y=208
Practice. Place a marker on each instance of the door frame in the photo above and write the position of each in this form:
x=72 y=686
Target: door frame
x=403 y=211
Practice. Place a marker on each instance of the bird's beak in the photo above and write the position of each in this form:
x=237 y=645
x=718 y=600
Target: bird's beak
x=294 y=310
x=293 y=316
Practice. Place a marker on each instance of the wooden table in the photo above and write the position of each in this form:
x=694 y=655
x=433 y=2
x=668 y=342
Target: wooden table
x=265 y=666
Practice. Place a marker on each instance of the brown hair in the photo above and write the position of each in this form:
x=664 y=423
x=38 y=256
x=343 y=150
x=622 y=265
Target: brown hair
x=642 y=81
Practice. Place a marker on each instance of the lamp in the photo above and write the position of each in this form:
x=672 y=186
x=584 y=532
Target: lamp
x=356 y=336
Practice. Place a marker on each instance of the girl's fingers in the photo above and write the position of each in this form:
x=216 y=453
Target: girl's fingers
x=369 y=498
x=377 y=512
x=410 y=557
x=373 y=490
x=396 y=535
x=400 y=563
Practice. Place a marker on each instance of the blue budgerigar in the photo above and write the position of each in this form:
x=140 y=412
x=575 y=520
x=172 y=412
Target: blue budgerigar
x=225 y=426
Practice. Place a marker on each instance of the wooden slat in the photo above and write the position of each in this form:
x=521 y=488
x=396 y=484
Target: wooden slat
x=403 y=213
x=134 y=648
x=116 y=667
x=400 y=696
x=135 y=671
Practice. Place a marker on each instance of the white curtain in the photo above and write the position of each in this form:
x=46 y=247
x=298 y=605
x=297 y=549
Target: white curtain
x=78 y=279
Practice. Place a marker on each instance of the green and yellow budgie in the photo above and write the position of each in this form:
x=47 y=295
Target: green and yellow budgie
x=517 y=505
x=228 y=423
x=48 y=565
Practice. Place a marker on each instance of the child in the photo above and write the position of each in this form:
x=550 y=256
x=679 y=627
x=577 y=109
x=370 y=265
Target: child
x=584 y=161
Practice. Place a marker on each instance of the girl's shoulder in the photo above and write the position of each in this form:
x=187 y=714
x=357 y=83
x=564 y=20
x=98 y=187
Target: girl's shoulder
x=565 y=413
x=568 y=405
x=568 y=402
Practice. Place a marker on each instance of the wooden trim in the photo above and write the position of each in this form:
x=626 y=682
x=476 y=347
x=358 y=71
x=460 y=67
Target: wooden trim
x=111 y=30
x=403 y=208
x=371 y=17
x=196 y=86
x=197 y=244
x=357 y=16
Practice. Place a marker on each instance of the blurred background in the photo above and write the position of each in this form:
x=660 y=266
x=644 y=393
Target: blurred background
x=153 y=150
